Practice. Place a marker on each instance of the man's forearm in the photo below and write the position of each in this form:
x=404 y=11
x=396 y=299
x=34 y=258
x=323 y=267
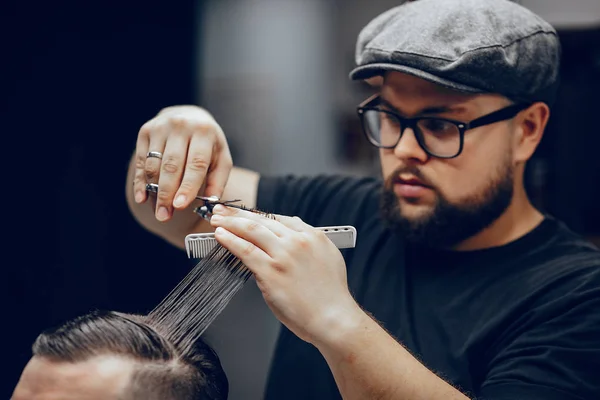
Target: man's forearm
x=367 y=363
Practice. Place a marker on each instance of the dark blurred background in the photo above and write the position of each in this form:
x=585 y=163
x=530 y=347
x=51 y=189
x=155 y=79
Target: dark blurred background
x=78 y=79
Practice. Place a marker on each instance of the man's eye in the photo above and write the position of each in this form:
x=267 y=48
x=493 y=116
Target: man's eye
x=389 y=119
x=437 y=126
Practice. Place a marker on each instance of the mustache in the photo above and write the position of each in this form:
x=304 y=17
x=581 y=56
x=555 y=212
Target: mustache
x=408 y=170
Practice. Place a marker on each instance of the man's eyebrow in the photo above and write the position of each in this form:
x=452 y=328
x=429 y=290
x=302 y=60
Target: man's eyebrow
x=427 y=110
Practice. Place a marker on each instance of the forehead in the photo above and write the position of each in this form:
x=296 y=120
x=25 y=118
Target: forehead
x=398 y=82
x=103 y=377
x=411 y=94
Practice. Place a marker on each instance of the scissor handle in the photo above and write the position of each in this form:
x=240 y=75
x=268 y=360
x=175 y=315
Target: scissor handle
x=153 y=187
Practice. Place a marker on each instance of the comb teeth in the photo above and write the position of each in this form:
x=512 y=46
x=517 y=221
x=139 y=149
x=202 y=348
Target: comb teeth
x=198 y=245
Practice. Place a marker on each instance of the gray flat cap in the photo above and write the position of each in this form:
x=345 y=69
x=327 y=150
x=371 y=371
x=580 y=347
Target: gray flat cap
x=489 y=46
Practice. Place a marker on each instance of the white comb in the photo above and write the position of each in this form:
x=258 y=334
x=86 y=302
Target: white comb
x=198 y=245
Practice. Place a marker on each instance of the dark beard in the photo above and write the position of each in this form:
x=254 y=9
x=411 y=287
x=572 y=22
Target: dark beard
x=449 y=224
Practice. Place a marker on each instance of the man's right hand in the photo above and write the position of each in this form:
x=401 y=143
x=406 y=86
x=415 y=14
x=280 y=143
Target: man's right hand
x=194 y=154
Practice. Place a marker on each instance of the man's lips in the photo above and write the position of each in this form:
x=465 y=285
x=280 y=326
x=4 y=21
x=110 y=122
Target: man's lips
x=410 y=187
x=413 y=181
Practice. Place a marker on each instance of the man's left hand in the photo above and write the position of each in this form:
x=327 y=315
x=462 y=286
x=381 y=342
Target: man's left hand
x=300 y=272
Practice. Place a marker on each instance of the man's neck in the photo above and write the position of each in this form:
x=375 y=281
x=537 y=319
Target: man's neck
x=520 y=218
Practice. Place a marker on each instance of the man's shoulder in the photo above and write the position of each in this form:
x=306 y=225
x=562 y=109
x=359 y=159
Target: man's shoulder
x=550 y=262
x=574 y=238
x=570 y=248
x=320 y=199
x=565 y=263
x=330 y=182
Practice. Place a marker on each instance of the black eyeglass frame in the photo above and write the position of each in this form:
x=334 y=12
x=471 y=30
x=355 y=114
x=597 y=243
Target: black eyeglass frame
x=502 y=114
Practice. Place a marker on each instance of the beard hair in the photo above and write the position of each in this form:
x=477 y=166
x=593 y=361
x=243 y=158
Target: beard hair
x=449 y=224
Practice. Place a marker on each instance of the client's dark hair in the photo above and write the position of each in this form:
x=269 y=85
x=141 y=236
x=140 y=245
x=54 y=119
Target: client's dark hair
x=161 y=371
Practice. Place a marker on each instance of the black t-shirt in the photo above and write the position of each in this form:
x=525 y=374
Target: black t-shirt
x=520 y=321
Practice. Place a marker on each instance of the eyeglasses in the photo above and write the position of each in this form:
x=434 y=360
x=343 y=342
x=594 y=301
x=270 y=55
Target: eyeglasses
x=438 y=137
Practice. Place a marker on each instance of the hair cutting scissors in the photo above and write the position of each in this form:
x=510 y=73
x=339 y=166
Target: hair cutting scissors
x=205 y=210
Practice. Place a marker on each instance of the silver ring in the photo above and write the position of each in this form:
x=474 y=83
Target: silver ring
x=156 y=154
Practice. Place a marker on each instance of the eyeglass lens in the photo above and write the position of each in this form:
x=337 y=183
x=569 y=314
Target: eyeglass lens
x=437 y=136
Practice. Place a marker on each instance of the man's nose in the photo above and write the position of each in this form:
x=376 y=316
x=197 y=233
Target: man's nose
x=409 y=148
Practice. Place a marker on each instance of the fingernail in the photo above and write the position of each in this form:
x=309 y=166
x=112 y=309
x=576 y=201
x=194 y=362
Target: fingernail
x=179 y=201
x=218 y=209
x=162 y=213
x=220 y=231
x=139 y=196
x=216 y=218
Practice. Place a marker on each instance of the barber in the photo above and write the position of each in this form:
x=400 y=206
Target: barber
x=458 y=286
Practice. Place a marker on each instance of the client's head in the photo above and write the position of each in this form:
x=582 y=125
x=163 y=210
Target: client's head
x=109 y=355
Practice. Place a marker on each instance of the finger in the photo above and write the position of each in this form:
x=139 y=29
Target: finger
x=141 y=148
x=254 y=258
x=218 y=174
x=156 y=143
x=196 y=167
x=171 y=172
x=253 y=231
x=271 y=223
x=294 y=223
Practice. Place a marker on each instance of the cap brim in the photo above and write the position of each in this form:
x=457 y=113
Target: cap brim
x=370 y=70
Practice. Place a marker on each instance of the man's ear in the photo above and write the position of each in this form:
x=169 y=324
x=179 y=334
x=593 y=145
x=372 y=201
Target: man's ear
x=531 y=124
